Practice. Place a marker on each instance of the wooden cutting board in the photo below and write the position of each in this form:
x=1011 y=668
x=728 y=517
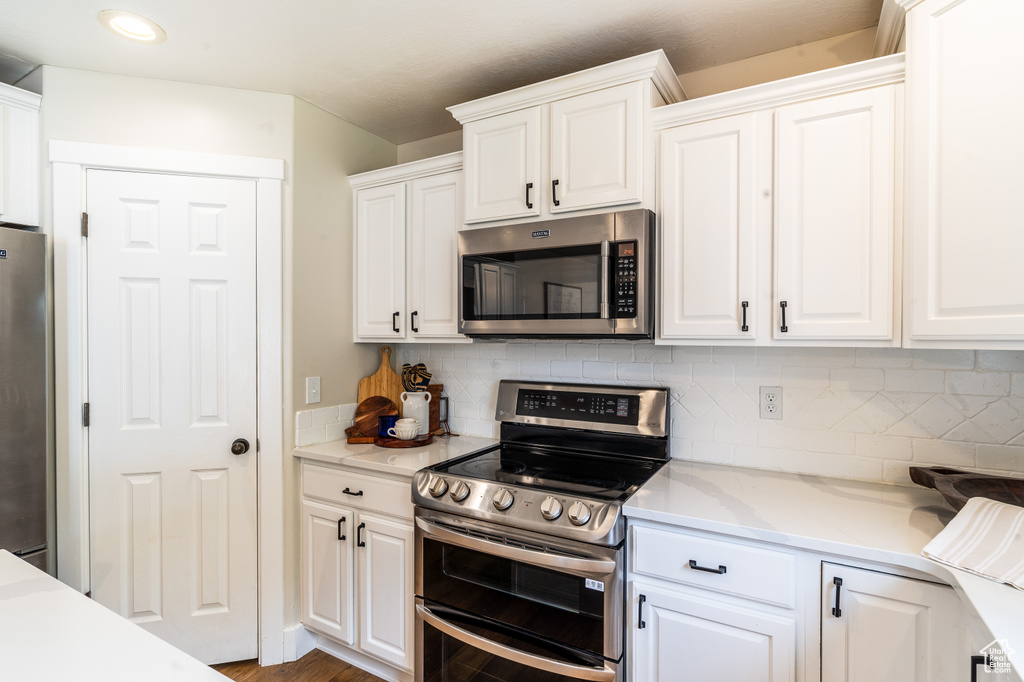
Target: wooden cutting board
x=384 y=382
x=364 y=427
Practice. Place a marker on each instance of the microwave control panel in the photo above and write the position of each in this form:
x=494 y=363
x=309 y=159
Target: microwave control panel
x=624 y=280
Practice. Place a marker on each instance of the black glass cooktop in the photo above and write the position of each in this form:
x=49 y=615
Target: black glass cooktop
x=585 y=475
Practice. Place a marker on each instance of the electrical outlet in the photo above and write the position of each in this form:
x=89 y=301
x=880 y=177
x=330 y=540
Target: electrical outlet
x=312 y=390
x=771 y=402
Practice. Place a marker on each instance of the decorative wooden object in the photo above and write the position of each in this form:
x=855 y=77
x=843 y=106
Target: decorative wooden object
x=364 y=427
x=959 y=486
x=384 y=382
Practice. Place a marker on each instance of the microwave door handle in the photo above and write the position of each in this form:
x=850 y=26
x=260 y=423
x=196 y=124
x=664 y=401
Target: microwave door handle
x=605 y=277
x=595 y=567
x=576 y=672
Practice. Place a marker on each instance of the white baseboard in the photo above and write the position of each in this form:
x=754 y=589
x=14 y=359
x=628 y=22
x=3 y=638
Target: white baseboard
x=298 y=641
x=362 y=661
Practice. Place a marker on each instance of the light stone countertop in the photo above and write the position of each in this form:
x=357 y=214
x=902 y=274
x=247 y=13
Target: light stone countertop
x=872 y=522
x=403 y=462
x=48 y=631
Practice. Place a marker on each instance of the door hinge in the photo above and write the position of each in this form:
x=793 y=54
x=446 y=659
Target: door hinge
x=85 y=414
x=85 y=224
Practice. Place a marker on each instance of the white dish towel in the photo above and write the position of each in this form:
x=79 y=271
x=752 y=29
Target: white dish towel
x=985 y=538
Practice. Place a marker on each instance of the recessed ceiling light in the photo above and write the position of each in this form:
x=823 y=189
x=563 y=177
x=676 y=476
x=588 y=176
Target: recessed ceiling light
x=132 y=26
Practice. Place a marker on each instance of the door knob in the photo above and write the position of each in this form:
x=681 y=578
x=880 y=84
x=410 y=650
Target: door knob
x=240 y=446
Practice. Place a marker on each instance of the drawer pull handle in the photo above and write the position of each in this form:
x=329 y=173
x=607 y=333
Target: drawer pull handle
x=720 y=570
x=640 y=613
x=359 y=535
x=340 y=521
x=354 y=494
x=836 y=611
x=783 y=305
x=529 y=186
x=743 y=325
x=554 y=188
x=975 y=662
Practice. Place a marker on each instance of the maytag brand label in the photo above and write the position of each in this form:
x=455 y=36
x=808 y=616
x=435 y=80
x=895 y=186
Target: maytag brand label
x=3 y=253
x=594 y=585
x=540 y=234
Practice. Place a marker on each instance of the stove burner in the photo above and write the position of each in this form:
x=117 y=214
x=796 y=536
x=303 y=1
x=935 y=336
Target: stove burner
x=486 y=467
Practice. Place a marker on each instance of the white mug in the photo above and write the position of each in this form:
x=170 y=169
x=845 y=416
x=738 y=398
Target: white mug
x=407 y=431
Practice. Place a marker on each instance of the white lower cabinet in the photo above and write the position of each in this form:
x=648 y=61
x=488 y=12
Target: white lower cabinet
x=357 y=562
x=877 y=627
x=710 y=607
x=679 y=636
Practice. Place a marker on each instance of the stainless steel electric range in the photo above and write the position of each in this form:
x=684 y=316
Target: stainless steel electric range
x=520 y=548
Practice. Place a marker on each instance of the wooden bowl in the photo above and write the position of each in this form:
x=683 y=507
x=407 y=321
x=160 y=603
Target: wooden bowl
x=959 y=486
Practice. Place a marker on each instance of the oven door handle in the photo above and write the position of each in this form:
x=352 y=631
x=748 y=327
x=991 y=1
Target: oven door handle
x=605 y=288
x=577 y=672
x=595 y=567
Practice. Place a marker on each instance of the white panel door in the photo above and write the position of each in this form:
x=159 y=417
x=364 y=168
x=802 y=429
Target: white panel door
x=380 y=262
x=964 y=170
x=172 y=383
x=709 y=229
x=835 y=220
x=684 y=637
x=596 y=148
x=328 y=590
x=889 y=629
x=434 y=223
x=501 y=158
x=386 y=589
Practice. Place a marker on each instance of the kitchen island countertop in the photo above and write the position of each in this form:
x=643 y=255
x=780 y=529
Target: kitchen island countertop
x=48 y=631
x=872 y=522
x=403 y=462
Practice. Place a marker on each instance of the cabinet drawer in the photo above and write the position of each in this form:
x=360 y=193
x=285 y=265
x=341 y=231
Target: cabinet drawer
x=759 y=574
x=364 y=492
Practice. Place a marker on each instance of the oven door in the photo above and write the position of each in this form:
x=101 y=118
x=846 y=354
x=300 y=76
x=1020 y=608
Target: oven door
x=455 y=646
x=517 y=589
x=582 y=276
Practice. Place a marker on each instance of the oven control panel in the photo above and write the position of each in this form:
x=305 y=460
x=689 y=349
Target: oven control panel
x=624 y=280
x=565 y=516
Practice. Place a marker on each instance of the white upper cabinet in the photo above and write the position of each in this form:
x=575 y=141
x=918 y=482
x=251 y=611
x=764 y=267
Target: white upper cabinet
x=834 y=222
x=708 y=212
x=406 y=278
x=575 y=143
x=595 y=149
x=780 y=199
x=505 y=180
x=965 y=283
x=19 y=156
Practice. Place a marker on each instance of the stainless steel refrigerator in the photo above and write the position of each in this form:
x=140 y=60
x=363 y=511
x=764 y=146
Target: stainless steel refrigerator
x=23 y=395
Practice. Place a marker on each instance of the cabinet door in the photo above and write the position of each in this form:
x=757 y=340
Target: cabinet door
x=19 y=165
x=502 y=157
x=595 y=149
x=386 y=589
x=889 y=629
x=684 y=637
x=434 y=221
x=964 y=143
x=327 y=587
x=708 y=229
x=380 y=262
x=835 y=216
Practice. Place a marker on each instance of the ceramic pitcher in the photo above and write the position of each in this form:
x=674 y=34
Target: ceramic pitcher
x=417 y=406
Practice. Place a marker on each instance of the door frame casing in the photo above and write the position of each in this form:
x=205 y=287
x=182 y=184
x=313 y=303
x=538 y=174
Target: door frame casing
x=69 y=162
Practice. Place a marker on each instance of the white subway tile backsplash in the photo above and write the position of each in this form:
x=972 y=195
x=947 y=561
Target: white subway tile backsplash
x=326 y=415
x=323 y=424
x=854 y=413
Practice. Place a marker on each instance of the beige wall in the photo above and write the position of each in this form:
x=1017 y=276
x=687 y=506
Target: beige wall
x=793 y=61
x=444 y=143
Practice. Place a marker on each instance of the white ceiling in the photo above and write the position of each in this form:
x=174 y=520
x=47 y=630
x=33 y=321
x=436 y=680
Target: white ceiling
x=392 y=66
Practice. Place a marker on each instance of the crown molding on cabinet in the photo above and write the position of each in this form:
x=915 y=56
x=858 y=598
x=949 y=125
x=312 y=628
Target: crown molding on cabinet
x=407 y=171
x=652 y=65
x=908 y=4
x=891 y=24
x=866 y=74
x=14 y=96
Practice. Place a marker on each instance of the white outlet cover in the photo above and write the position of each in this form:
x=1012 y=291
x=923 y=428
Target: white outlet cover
x=312 y=390
x=771 y=402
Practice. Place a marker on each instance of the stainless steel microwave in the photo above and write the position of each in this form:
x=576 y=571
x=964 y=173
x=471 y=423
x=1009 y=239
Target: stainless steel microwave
x=589 y=276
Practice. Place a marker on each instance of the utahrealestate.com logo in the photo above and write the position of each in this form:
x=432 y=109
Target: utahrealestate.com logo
x=997 y=656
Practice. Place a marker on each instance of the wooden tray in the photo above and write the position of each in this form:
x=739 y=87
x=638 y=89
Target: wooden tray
x=416 y=442
x=959 y=486
x=364 y=430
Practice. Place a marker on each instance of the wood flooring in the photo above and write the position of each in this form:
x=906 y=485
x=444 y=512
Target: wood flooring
x=316 y=666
